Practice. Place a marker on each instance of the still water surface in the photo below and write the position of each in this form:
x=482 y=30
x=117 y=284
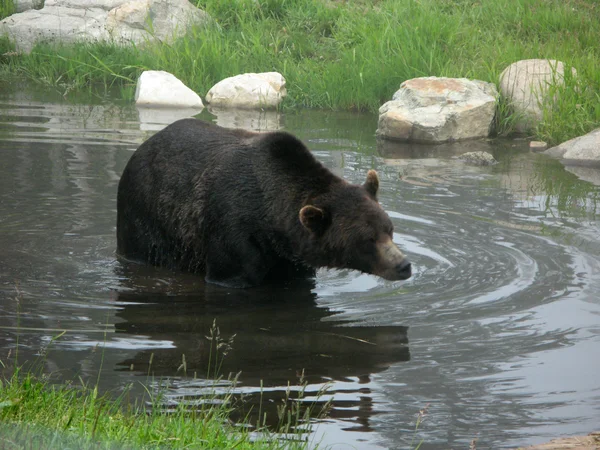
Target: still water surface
x=498 y=331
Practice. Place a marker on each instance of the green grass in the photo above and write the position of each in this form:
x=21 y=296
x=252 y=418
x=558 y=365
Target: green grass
x=7 y=7
x=35 y=414
x=354 y=55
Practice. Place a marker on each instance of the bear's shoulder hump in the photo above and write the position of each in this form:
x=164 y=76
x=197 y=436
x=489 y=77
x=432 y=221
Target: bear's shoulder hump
x=283 y=145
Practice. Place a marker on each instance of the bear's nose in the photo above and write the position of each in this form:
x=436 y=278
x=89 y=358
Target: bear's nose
x=404 y=270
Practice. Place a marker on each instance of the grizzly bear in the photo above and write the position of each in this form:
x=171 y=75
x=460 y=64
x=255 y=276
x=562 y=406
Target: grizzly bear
x=244 y=208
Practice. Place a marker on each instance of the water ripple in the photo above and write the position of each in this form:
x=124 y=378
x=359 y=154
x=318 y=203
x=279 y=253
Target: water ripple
x=496 y=330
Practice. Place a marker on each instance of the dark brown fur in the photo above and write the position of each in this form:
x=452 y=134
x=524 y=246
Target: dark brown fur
x=243 y=207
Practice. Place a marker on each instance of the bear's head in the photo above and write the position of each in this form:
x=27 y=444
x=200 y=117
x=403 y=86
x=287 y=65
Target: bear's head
x=348 y=229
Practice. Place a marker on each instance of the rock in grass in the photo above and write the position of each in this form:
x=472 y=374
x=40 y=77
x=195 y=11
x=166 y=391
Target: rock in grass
x=160 y=88
x=123 y=22
x=477 y=158
x=249 y=91
x=139 y=21
x=528 y=84
x=580 y=150
x=435 y=110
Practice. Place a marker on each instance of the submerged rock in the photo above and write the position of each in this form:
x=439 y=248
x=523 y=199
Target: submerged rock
x=477 y=158
x=123 y=22
x=249 y=91
x=527 y=85
x=538 y=146
x=160 y=88
x=437 y=110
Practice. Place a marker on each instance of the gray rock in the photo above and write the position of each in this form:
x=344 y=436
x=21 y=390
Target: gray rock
x=526 y=84
x=477 y=158
x=580 y=150
x=170 y=19
x=54 y=23
x=124 y=22
x=435 y=110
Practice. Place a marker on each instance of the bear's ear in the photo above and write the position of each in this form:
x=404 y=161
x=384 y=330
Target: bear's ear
x=372 y=183
x=312 y=218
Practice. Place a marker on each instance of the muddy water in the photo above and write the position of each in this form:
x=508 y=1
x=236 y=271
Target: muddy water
x=497 y=333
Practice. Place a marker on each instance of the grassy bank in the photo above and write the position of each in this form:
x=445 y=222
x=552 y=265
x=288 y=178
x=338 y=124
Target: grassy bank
x=35 y=414
x=354 y=55
x=7 y=7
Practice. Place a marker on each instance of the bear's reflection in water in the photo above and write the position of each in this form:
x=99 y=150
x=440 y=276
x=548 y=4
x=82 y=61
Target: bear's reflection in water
x=280 y=336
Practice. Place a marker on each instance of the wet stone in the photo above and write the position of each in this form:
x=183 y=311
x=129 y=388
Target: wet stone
x=538 y=146
x=477 y=159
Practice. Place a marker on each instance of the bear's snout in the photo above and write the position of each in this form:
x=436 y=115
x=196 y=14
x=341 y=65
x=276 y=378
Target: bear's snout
x=404 y=270
x=393 y=265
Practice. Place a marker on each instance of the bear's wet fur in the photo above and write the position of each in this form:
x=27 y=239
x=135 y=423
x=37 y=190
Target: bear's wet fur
x=244 y=207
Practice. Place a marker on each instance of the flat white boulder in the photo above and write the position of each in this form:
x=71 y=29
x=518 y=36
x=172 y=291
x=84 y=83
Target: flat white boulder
x=123 y=22
x=435 y=110
x=580 y=150
x=526 y=85
x=160 y=88
x=248 y=91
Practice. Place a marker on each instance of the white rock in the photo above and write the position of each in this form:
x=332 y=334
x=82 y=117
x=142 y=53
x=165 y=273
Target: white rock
x=159 y=88
x=248 y=91
x=582 y=149
x=525 y=84
x=437 y=110
x=124 y=22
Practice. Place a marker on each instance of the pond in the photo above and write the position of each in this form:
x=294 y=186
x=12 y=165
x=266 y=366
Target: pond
x=496 y=335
